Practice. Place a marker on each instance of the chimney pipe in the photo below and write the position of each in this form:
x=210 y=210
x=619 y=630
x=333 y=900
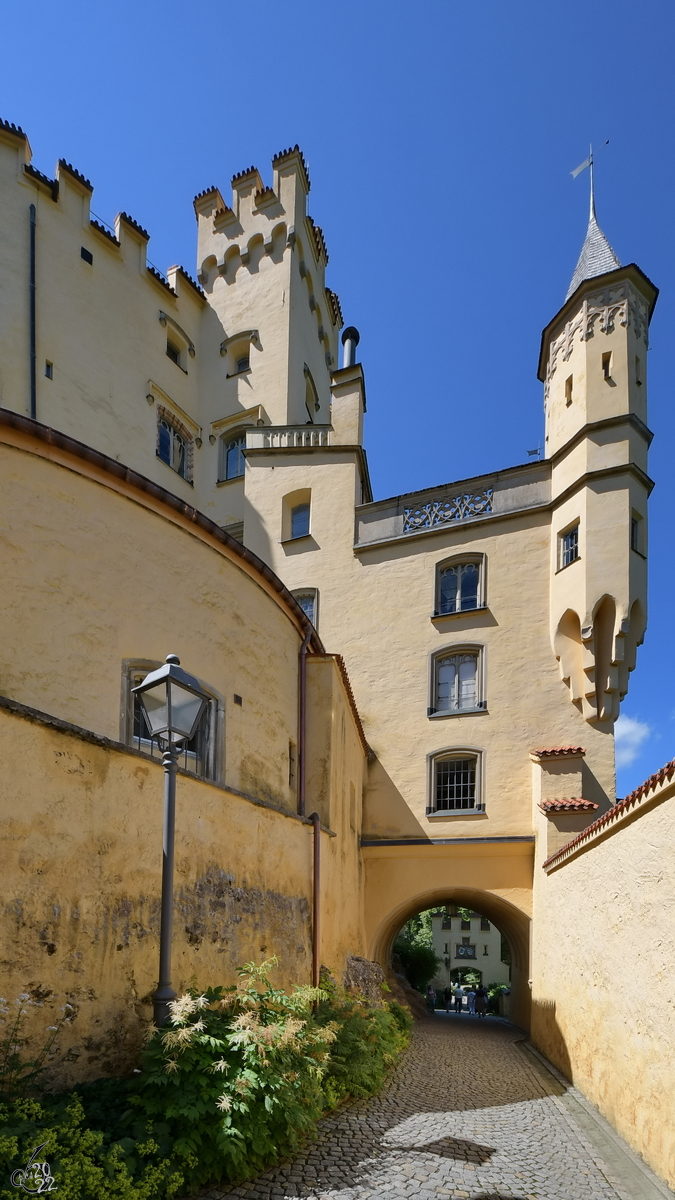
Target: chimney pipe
x=350 y=340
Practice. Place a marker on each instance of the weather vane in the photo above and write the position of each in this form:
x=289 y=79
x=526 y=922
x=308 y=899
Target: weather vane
x=588 y=162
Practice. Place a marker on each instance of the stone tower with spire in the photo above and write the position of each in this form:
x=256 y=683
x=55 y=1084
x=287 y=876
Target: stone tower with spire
x=594 y=368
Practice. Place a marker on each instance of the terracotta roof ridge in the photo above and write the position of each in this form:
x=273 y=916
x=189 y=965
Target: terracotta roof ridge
x=352 y=701
x=573 y=802
x=621 y=806
x=551 y=751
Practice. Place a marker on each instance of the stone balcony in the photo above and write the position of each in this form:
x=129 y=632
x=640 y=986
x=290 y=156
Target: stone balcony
x=288 y=437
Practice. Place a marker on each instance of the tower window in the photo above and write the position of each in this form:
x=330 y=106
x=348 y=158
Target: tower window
x=49 y=369
x=243 y=364
x=234 y=460
x=636 y=533
x=458 y=587
x=485 y=925
x=300 y=521
x=86 y=255
x=638 y=372
x=174 y=446
x=569 y=546
x=173 y=352
x=607 y=365
x=568 y=390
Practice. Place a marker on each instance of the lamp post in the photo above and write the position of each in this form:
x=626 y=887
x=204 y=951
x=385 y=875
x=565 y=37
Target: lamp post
x=173 y=703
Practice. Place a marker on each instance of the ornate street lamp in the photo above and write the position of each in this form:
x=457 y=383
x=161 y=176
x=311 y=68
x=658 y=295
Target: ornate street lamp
x=173 y=703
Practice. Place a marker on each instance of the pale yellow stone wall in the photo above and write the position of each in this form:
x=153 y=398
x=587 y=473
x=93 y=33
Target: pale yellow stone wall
x=96 y=572
x=603 y=1005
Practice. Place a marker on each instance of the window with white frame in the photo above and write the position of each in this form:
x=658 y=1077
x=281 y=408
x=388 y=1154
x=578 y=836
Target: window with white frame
x=455 y=782
x=457 y=682
x=308 y=599
x=569 y=546
x=459 y=587
x=198 y=756
x=174 y=444
x=233 y=460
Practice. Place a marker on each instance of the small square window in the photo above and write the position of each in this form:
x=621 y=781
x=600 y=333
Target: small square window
x=569 y=546
x=454 y=784
x=465 y=925
x=607 y=365
x=568 y=390
x=243 y=364
x=173 y=352
x=49 y=369
x=86 y=255
x=485 y=925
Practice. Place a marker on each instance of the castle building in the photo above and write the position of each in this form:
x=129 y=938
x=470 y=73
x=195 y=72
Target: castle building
x=435 y=674
x=469 y=949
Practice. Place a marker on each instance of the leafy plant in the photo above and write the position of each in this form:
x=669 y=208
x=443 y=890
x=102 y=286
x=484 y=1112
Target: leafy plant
x=19 y=1076
x=494 y=991
x=420 y=963
x=235 y=1076
x=83 y=1163
x=367 y=1043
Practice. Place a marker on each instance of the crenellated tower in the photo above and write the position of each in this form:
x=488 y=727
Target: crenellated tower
x=262 y=264
x=594 y=368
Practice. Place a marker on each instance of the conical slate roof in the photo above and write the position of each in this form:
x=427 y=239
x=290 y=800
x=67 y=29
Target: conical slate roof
x=596 y=255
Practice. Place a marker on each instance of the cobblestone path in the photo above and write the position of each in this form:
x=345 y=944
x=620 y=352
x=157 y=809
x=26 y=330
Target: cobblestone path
x=468 y=1113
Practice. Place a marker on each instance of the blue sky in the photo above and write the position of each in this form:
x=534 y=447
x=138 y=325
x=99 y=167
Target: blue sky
x=440 y=139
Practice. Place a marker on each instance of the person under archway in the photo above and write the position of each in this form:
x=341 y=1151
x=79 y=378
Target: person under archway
x=481 y=1001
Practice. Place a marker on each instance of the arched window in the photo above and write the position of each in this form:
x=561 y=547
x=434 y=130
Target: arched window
x=174 y=446
x=457 y=681
x=308 y=599
x=234 y=460
x=459 y=587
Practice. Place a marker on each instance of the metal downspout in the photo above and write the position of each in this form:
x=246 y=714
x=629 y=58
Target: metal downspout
x=302 y=719
x=316 y=902
x=33 y=372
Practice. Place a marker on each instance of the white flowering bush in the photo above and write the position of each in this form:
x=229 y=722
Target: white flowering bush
x=236 y=1075
x=20 y=1076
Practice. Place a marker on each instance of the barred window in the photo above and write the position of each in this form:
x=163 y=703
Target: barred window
x=455 y=783
x=197 y=756
x=458 y=588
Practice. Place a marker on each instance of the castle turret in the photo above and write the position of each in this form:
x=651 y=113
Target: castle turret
x=262 y=264
x=594 y=368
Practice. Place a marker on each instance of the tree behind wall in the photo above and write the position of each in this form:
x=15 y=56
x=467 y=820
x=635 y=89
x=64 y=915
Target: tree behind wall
x=414 y=948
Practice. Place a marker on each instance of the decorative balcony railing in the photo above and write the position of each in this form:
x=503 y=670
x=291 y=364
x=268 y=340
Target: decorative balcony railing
x=441 y=512
x=291 y=437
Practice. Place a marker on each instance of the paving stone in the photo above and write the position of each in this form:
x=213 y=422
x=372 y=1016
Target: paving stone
x=465 y=1115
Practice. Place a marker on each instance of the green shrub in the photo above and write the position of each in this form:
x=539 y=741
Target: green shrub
x=494 y=991
x=235 y=1077
x=367 y=1043
x=236 y=1081
x=83 y=1162
x=420 y=963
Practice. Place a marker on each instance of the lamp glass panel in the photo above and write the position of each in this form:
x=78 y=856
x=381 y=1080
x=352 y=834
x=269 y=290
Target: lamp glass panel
x=186 y=709
x=156 y=707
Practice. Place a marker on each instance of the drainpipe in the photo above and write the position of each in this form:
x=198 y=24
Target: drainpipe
x=33 y=376
x=302 y=719
x=316 y=906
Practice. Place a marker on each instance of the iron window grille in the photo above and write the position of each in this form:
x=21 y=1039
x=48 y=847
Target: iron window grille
x=569 y=546
x=458 y=588
x=455 y=784
x=196 y=756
